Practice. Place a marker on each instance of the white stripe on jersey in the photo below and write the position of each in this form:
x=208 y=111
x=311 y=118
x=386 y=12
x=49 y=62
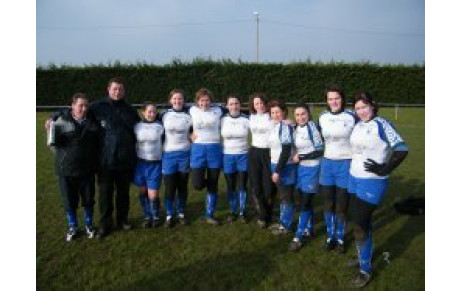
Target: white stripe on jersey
x=234 y=131
x=371 y=140
x=261 y=126
x=278 y=138
x=206 y=124
x=307 y=139
x=336 y=130
x=148 y=136
x=177 y=130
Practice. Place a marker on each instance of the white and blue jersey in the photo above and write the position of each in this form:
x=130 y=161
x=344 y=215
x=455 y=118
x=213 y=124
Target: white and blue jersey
x=281 y=135
x=336 y=129
x=206 y=151
x=176 y=155
x=235 y=131
x=372 y=140
x=307 y=139
x=149 y=137
x=149 y=140
x=177 y=126
x=261 y=126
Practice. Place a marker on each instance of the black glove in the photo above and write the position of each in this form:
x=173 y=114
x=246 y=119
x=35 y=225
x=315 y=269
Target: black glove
x=394 y=160
x=376 y=168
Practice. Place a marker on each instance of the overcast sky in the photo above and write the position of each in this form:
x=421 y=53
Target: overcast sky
x=104 y=31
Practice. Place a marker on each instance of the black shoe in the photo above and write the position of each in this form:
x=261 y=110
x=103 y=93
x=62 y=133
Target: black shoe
x=353 y=262
x=341 y=248
x=181 y=218
x=242 y=218
x=169 y=222
x=295 y=245
x=211 y=221
x=261 y=223
x=329 y=245
x=102 y=232
x=360 y=280
x=125 y=225
x=231 y=218
x=156 y=222
x=281 y=230
x=147 y=223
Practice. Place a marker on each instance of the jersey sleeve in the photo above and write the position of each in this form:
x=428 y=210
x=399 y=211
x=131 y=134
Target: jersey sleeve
x=388 y=133
x=286 y=134
x=315 y=136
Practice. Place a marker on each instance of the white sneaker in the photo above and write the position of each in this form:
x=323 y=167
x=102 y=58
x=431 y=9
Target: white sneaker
x=90 y=232
x=71 y=234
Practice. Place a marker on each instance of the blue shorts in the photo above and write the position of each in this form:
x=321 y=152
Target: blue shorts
x=308 y=178
x=235 y=163
x=288 y=174
x=176 y=161
x=370 y=190
x=206 y=156
x=148 y=173
x=334 y=173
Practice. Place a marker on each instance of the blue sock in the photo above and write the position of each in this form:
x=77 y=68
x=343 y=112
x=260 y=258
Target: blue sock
x=72 y=219
x=365 y=253
x=242 y=202
x=88 y=214
x=329 y=217
x=232 y=201
x=310 y=221
x=288 y=216
x=169 y=204
x=211 y=201
x=341 y=226
x=143 y=201
x=303 y=221
x=282 y=207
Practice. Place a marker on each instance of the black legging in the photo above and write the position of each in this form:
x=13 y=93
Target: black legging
x=335 y=200
x=211 y=181
x=263 y=189
x=233 y=179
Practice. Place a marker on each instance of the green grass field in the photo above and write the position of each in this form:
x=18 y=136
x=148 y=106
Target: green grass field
x=236 y=256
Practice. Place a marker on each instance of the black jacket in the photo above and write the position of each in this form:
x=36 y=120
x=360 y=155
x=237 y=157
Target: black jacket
x=77 y=146
x=117 y=138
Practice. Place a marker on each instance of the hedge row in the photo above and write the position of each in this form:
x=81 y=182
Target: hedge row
x=292 y=82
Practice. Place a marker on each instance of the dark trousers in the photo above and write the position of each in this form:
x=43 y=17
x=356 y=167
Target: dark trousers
x=108 y=180
x=263 y=190
x=74 y=188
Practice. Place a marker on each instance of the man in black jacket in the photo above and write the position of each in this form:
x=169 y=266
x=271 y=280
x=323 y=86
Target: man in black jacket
x=76 y=146
x=118 y=154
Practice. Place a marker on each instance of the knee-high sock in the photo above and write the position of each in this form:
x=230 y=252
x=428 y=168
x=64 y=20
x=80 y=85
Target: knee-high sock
x=88 y=214
x=232 y=201
x=143 y=201
x=310 y=221
x=329 y=217
x=180 y=203
x=364 y=249
x=72 y=218
x=303 y=222
x=287 y=215
x=242 y=202
x=341 y=226
x=154 y=207
x=169 y=205
x=211 y=201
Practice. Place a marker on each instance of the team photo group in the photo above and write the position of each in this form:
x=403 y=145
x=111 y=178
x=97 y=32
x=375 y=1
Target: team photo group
x=344 y=157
